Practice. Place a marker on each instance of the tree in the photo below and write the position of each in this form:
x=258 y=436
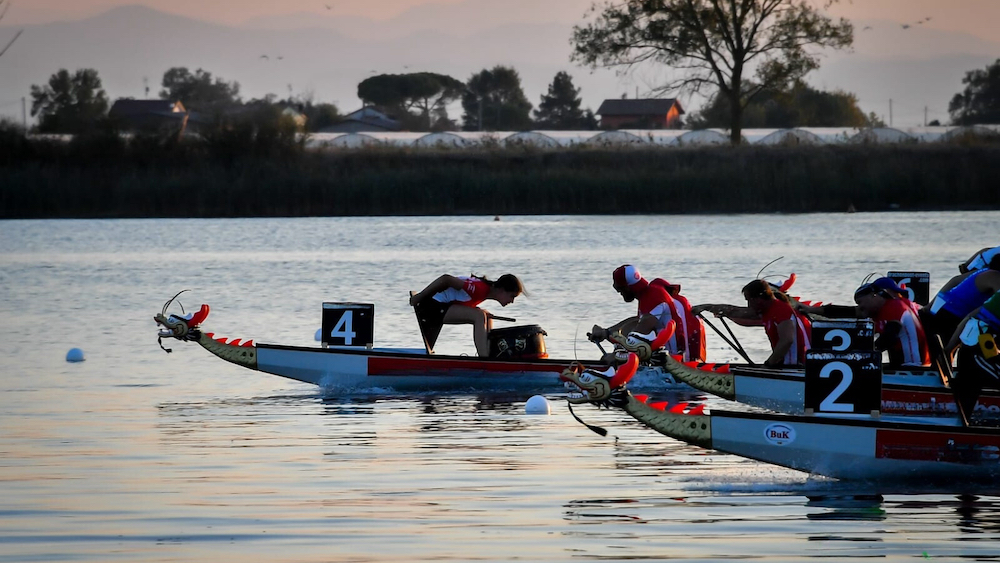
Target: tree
x=4 y=6
x=713 y=43
x=198 y=91
x=494 y=101
x=560 y=107
x=400 y=95
x=69 y=103
x=980 y=101
x=318 y=115
x=799 y=106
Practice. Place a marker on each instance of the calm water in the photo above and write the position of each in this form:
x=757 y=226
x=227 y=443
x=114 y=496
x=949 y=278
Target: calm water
x=136 y=455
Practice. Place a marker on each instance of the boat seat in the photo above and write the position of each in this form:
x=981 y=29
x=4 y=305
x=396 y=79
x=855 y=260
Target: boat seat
x=423 y=333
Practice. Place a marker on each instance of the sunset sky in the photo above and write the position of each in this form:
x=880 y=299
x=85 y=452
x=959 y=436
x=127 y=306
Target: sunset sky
x=977 y=17
x=908 y=58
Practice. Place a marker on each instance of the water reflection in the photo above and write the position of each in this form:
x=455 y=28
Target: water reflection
x=847 y=507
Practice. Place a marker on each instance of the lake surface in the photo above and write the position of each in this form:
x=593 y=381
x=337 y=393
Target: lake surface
x=137 y=455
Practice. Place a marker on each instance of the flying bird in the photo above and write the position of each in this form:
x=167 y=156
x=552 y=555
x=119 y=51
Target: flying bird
x=328 y=7
x=866 y=28
x=906 y=26
x=265 y=57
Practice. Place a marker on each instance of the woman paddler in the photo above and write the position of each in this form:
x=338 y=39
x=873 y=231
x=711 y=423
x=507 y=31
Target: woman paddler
x=454 y=300
x=787 y=329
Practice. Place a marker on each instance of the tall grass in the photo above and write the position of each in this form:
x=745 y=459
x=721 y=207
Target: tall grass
x=271 y=175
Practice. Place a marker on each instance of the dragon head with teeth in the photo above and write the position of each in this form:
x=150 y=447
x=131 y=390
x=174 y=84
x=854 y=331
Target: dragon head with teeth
x=602 y=388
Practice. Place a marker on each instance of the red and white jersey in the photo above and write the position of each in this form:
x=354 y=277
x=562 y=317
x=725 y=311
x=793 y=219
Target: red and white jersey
x=654 y=300
x=778 y=312
x=690 y=331
x=912 y=343
x=472 y=293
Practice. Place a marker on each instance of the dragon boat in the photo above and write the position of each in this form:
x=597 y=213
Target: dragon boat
x=365 y=367
x=914 y=391
x=842 y=446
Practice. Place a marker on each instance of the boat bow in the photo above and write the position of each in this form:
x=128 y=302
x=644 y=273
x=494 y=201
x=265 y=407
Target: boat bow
x=679 y=421
x=187 y=329
x=710 y=378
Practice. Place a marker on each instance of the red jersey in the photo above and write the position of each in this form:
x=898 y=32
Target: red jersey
x=690 y=332
x=911 y=346
x=654 y=300
x=472 y=293
x=778 y=312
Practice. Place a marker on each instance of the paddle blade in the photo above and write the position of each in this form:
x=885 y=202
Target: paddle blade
x=625 y=371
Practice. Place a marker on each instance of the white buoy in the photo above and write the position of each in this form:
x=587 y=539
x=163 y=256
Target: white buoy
x=537 y=405
x=319 y=334
x=75 y=355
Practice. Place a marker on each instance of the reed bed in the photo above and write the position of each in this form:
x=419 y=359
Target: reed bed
x=105 y=177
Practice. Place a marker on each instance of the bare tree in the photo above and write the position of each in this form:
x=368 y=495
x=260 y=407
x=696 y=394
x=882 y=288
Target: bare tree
x=4 y=6
x=713 y=43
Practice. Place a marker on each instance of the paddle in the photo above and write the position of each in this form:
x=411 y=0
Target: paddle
x=499 y=318
x=735 y=340
x=739 y=349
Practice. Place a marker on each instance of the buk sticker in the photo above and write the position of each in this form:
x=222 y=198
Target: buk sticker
x=779 y=434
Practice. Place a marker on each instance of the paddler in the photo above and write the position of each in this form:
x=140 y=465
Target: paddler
x=978 y=358
x=655 y=311
x=455 y=300
x=897 y=322
x=787 y=329
x=690 y=337
x=960 y=296
x=979 y=260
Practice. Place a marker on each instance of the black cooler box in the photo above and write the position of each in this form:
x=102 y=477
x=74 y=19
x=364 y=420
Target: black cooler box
x=518 y=342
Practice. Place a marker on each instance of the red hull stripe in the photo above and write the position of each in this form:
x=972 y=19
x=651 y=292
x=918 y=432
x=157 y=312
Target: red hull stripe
x=912 y=401
x=452 y=367
x=937 y=446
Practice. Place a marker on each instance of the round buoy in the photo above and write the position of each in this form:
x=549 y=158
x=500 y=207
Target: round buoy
x=75 y=355
x=537 y=405
x=319 y=334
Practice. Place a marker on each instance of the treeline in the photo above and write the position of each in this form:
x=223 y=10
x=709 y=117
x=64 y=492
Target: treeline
x=102 y=175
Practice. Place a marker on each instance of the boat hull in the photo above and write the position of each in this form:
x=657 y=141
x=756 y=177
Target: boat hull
x=917 y=392
x=861 y=448
x=416 y=370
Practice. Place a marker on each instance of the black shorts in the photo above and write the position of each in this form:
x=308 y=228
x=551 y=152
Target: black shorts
x=430 y=317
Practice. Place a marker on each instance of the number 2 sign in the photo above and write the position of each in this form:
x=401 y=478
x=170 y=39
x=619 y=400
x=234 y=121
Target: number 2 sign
x=843 y=382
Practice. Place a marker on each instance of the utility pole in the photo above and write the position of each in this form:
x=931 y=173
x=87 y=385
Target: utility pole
x=925 y=116
x=24 y=113
x=890 y=112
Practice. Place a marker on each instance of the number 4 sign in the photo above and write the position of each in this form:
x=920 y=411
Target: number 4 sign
x=348 y=324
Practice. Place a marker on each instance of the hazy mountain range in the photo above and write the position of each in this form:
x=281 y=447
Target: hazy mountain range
x=131 y=47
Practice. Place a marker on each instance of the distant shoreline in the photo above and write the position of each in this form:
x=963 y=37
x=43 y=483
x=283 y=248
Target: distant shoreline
x=83 y=182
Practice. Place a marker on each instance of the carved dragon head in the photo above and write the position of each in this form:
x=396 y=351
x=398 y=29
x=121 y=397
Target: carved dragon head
x=604 y=389
x=181 y=327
